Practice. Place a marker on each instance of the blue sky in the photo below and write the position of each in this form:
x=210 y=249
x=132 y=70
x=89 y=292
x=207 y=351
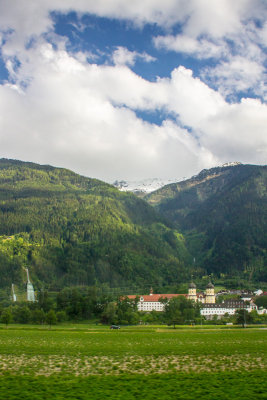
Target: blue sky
x=132 y=90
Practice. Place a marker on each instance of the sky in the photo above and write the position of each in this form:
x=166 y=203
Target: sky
x=120 y=89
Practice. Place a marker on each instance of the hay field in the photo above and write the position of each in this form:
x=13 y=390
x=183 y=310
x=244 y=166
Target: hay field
x=138 y=362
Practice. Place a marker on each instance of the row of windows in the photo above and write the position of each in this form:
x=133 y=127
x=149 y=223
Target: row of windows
x=217 y=312
x=161 y=307
x=151 y=306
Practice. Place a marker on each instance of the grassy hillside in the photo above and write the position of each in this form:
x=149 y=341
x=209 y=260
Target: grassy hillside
x=72 y=230
x=223 y=214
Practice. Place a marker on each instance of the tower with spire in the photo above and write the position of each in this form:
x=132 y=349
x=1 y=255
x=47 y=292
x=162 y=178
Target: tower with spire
x=210 y=294
x=192 y=292
x=30 y=290
x=206 y=298
x=14 y=297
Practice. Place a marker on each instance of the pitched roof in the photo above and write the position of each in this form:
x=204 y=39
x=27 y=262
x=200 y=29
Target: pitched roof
x=155 y=297
x=210 y=286
x=192 y=285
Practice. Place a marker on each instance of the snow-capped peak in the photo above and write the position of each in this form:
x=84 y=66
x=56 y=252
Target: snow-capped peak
x=231 y=164
x=144 y=186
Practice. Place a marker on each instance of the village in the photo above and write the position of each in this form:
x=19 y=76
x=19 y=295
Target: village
x=209 y=307
x=213 y=305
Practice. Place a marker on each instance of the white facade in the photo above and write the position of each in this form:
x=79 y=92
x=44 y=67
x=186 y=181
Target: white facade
x=149 y=305
x=228 y=307
x=258 y=292
x=152 y=302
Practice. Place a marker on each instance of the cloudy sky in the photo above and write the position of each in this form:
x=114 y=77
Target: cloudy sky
x=132 y=89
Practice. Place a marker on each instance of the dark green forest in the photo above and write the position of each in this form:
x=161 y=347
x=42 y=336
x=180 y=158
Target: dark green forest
x=222 y=213
x=70 y=230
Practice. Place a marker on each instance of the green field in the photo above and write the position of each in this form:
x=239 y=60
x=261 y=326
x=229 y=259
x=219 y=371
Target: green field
x=86 y=362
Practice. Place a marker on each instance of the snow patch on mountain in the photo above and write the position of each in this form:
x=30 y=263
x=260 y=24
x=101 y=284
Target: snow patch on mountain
x=151 y=184
x=232 y=164
x=144 y=186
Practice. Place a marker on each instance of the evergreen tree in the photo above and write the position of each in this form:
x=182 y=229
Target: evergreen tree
x=51 y=318
x=6 y=317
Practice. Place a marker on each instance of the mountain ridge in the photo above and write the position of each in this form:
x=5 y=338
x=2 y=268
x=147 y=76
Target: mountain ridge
x=72 y=230
x=223 y=214
x=149 y=185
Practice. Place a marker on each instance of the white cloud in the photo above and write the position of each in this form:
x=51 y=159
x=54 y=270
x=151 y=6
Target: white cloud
x=263 y=35
x=214 y=18
x=237 y=75
x=209 y=28
x=217 y=18
x=80 y=116
x=122 y=56
x=31 y=18
x=189 y=98
x=200 y=48
x=238 y=132
x=64 y=110
x=65 y=117
x=230 y=33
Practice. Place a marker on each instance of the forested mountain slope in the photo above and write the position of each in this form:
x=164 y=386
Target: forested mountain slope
x=223 y=214
x=71 y=230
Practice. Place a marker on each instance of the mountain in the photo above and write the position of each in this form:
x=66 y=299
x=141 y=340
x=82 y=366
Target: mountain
x=71 y=230
x=149 y=185
x=223 y=214
x=141 y=188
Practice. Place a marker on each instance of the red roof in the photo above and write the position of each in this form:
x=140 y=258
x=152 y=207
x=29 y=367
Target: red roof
x=155 y=297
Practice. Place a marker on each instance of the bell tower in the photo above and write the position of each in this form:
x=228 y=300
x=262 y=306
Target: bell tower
x=210 y=294
x=192 y=292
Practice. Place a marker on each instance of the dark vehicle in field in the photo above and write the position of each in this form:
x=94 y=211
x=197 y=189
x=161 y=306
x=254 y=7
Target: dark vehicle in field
x=115 y=327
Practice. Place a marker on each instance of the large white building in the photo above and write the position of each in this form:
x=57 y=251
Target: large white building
x=152 y=302
x=209 y=308
x=227 y=307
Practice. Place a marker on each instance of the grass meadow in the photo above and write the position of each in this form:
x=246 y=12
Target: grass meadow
x=94 y=362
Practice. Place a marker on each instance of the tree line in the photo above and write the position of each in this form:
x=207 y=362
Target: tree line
x=80 y=304
x=91 y=304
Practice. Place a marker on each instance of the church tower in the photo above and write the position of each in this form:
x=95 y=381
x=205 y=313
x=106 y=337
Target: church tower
x=14 y=297
x=210 y=294
x=192 y=292
x=30 y=290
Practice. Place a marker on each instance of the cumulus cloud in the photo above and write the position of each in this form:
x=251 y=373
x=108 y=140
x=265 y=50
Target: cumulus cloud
x=238 y=130
x=82 y=116
x=61 y=108
x=216 y=19
x=263 y=35
x=200 y=48
x=65 y=117
x=122 y=56
x=239 y=74
x=209 y=29
x=234 y=33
